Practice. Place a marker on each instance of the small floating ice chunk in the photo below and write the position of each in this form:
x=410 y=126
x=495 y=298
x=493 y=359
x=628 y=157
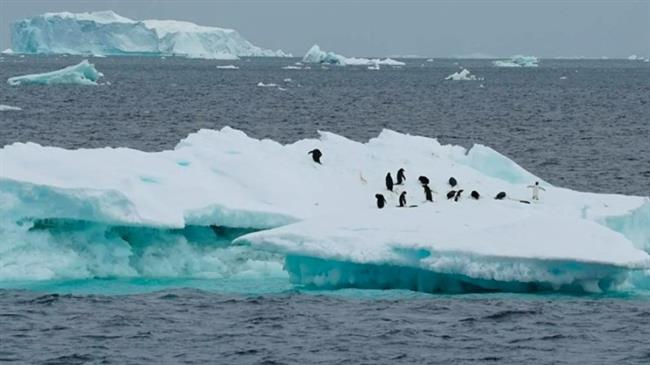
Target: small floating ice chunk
x=463 y=75
x=562 y=77
x=290 y=67
x=6 y=108
x=429 y=59
x=8 y=51
x=261 y=84
x=287 y=80
x=228 y=67
x=83 y=73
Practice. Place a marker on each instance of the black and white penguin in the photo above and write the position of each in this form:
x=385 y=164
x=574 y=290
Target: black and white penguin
x=316 y=154
x=458 y=195
x=402 y=199
x=389 y=182
x=500 y=196
x=475 y=194
x=423 y=180
x=400 y=177
x=381 y=201
x=452 y=182
x=451 y=194
x=427 y=193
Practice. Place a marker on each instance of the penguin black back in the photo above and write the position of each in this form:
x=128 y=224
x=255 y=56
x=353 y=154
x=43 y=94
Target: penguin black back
x=316 y=154
x=381 y=201
x=452 y=182
x=402 y=199
x=475 y=194
x=500 y=196
x=400 y=176
x=451 y=194
x=423 y=180
x=389 y=182
x=458 y=195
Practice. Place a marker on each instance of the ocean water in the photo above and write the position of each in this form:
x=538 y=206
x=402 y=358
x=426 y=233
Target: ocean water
x=581 y=124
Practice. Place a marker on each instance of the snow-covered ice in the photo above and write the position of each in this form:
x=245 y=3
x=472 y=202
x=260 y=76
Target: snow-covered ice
x=83 y=73
x=107 y=33
x=322 y=218
x=6 y=108
x=518 y=61
x=316 y=55
x=463 y=75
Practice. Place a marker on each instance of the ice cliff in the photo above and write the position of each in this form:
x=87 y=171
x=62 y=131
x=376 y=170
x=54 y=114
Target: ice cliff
x=107 y=33
x=222 y=203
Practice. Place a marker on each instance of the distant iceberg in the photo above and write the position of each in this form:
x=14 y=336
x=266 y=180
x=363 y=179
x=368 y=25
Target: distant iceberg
x=463 y=75
x=7 y=108
x=316 y=55
x=518 y=61
x=107 y=33
x=83 y=73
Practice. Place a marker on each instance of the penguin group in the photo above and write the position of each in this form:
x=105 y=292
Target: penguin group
x=424 y=181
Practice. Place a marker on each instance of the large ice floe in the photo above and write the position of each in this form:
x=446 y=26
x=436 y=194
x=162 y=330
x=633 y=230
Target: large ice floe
x=83 y=73
x=316 y=55
x=104 y=33
x=518 y=61
x=222 y=204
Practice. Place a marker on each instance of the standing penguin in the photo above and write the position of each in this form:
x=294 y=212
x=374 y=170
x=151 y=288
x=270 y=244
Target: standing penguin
x=536 y=188
x=402 y=199
x=458 y=195
x=427 y=193
x=423 y=180
x=475 y=194
x=400 y=177
x=453 y=182
x=316 y=154
x=381 y=201
x=389 y=182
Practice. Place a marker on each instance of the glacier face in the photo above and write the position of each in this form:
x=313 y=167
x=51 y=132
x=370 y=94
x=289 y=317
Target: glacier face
x=83 y=73
x=107 y=33
x=316 y=55
x=321 y=219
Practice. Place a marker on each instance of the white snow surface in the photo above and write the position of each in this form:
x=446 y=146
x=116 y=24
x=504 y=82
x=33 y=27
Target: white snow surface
x=328 y=211
x=518 y=61
x=107 y=33
x=83 y=73
x=316 y=55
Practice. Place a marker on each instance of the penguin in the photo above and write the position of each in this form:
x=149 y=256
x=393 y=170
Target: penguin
x=458 y=195
x=475 y=194
x=423 y=180
x=453 y=182
x=316 y=154
x=451 y=194
x=427 y=193
x=389 y=182
x=500 y=196
x=381 y=201
x=400 y=177
x=402 y=199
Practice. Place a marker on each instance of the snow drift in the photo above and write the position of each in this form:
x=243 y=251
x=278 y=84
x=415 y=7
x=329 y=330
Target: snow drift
x=83 y=73
x=316 y=55
x=222 y=203
x=107 y=33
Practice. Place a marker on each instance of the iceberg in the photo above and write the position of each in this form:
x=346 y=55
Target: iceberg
x=463 y=75
x=316 y=55
x=221 y=198
x=6 y=108
x=228 y=67
x=83 y=73
x=518 y=61
x=105 y=33
x=8 y=51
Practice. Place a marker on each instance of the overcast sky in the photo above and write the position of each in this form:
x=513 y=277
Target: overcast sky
x=548 y=28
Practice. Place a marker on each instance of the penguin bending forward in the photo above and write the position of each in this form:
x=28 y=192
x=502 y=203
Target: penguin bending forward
x=475 y=194
x=451 y=194
x=316 y=154
x=423 y=180
x=381 y=201
x=500 y=196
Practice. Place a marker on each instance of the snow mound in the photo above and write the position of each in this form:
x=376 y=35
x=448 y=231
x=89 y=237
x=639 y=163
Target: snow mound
x=316 y=55
x=107 y=33
x=518 y=61
x=153 y=213
x=6 y=108
x=83 y=73
x=463 y=75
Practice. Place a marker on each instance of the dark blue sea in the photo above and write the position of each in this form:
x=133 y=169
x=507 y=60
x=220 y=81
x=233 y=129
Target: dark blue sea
x=581 y=124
